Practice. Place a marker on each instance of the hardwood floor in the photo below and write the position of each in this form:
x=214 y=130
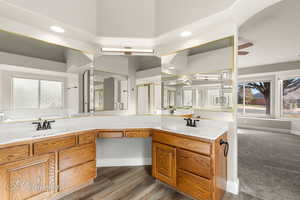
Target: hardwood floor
x=125 y=183
x=133 y=183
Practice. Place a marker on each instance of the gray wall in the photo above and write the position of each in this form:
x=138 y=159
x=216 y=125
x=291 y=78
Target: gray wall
x=109 y=94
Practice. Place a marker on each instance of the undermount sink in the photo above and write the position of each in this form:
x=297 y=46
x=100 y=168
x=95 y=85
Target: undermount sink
x=49 y=132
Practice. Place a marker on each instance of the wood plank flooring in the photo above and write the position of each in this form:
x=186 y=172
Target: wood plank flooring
x=125 y=183
x=133 y=183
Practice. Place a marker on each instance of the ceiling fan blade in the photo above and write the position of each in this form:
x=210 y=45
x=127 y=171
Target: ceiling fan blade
x=243 y=53
x=246 y=45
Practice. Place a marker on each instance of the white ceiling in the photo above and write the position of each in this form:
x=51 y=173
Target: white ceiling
x=115 y=18
x=275 y=34
x=172 y=14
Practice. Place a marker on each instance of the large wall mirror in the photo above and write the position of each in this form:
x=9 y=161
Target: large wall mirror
x=39 y=79
x=198 y=80
x=123 y=84
x=44 y=80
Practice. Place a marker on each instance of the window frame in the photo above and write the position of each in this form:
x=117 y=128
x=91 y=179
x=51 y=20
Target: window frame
x=280 y=80
x=244 y=114
x=183 y=97
x=39 y=79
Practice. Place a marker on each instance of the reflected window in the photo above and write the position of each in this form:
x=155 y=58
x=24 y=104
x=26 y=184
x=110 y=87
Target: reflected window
x=51 y=94
x=36 y=94
x=187 y=98
x=291 y=97
x=254 y=98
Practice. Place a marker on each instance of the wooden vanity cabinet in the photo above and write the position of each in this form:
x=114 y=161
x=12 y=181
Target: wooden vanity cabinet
x=32 y=178
x=196 y=167
x=110 y=134
x=124 y=133
x=14 y=153
x=46 y=168
x=138 y=133
x=164 y=163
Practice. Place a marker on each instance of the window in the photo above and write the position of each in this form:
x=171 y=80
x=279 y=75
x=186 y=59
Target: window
x=25 y=93
x=188 y=98
x=38 y=94
x=254 y=98
x=291 y=97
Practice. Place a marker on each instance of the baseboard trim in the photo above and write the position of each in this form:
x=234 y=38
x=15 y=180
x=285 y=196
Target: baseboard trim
x=123 y=162
x=233 y=187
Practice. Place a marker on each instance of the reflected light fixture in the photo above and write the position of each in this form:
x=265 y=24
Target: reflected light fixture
x=57 y=29
x=126 y=50
x=185 y=34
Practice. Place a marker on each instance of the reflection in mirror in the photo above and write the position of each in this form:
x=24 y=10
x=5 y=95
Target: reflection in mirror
x=39 y=79
x=198 y=79
x=123 y=84
x=111 y=91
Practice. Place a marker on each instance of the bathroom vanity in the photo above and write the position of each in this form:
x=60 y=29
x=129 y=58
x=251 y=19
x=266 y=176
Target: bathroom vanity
x=52 y=166
x=43 y=168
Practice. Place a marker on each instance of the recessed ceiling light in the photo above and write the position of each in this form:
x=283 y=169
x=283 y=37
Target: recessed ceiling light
x=171 y=67
x=185 y=34
x=57 y=29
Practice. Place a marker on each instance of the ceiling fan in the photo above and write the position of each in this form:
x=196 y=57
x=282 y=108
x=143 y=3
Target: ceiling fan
x=244 y=46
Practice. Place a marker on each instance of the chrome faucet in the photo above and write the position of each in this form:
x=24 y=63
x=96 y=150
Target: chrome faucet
x=43 y=124
x=190 y=122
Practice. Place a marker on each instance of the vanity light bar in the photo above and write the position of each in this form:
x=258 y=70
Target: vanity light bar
x=126 y=50
x=207 y=77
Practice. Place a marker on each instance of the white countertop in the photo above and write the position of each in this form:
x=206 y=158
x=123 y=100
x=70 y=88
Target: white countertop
x=206 y=129
x=210 y=133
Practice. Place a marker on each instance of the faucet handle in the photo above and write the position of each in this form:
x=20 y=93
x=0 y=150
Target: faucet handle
x=195 y=124
x=39 y=125
x=187 y=121
x=49 y=124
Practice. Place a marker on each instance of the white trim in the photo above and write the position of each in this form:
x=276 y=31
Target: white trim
x=123 y=162
x=233 y=187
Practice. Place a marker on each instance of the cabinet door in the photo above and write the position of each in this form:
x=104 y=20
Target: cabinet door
x=33 y=178
x=164 y=163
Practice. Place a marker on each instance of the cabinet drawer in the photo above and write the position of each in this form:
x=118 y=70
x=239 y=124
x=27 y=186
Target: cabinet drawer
x=76 y=155
x=86 y=138
x=77 y=176
x=53 y=145
x=194 y=162
x=115 y=134
x=193 y=185
x=138 y=133
x=14 y=153
x=185 y=143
